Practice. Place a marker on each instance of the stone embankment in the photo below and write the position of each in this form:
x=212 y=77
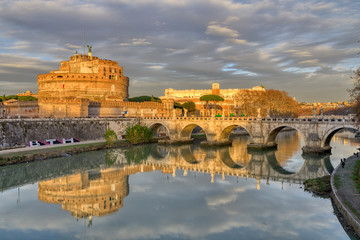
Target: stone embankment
x=18 y=132
x=345 y=194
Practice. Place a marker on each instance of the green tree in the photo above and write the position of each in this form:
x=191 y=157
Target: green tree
x=190 y=106
x=3 y=98
x=355 y=92
x=211 y=98
x=27 y=98
x=110 y=136
x=178 y=105
x=144 y=99
x=138 y=134
x=12 y=97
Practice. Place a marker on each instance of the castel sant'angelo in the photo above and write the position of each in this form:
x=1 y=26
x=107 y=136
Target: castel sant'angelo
x=86 y=86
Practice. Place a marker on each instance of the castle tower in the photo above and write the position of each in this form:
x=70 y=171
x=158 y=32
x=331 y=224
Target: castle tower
x=216 y=89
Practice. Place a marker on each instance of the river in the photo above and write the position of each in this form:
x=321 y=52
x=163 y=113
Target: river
x=177 y=192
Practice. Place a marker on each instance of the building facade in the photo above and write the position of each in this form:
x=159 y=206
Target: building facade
x=232 y=99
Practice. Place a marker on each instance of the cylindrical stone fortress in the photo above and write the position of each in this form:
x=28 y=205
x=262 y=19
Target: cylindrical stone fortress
x=85 y=77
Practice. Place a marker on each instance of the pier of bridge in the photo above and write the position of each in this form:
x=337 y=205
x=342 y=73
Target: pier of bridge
x=317 y=131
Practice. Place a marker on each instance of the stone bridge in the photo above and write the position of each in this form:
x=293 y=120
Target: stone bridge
x=317 y=131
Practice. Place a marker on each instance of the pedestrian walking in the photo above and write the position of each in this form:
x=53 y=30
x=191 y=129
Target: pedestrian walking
x=342 y=163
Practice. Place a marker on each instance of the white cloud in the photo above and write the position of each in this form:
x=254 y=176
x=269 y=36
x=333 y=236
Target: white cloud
x=297 y=53
x=159 y=67
x=221 y=31
x=239 y=41
x=140 y=42
x=72 y=46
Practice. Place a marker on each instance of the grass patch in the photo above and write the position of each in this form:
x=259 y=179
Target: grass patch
x=352 y=209
x=319 y=185
x=198 y=136
x=355 y=175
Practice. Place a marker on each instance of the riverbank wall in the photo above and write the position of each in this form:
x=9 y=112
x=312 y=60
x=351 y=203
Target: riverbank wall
x=350 y=217
x=18 y=132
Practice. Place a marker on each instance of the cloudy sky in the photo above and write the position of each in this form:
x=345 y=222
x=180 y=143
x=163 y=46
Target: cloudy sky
x=307 y=48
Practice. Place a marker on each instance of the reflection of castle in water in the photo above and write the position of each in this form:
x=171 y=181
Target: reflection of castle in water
x=101 y=192
x=93 y=193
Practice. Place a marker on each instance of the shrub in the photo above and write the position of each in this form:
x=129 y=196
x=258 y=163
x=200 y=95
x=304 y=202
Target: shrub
x=110 y=136
x=138 y=134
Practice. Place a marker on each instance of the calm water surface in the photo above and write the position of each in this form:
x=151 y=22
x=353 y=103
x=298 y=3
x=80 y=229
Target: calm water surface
x=186 y=192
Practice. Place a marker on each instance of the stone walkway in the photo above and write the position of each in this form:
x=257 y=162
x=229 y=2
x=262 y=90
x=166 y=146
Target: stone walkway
x=25 y=149
x=347 y=194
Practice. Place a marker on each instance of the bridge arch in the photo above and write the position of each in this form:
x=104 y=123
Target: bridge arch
x=186 y=131
x=156 y=127
x=225 y=133
x=270 y=139
x=330 y=133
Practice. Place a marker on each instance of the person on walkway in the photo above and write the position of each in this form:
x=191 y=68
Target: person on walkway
x=342 y=163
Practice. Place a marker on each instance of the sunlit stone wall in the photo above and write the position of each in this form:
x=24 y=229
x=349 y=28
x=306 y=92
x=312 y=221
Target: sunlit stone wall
x=18 y=132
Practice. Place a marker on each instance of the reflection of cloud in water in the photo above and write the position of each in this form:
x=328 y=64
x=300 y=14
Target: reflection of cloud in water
x=228 y=197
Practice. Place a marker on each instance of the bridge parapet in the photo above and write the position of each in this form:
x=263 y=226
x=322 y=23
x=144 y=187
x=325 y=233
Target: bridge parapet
x=323 y=119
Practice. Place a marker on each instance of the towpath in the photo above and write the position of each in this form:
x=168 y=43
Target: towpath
x=346 y=191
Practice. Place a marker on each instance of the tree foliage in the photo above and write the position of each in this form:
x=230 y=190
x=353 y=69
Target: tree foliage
x=138 y=134
x=144 y=99
x=355 y=92
x=272 y=102
x=178 y=105
x=19 y=98
x=190 y=106
x=211 y=98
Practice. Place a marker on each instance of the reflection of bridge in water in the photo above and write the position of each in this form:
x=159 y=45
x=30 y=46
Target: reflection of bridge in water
x=102 y=191
x=262 y=164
